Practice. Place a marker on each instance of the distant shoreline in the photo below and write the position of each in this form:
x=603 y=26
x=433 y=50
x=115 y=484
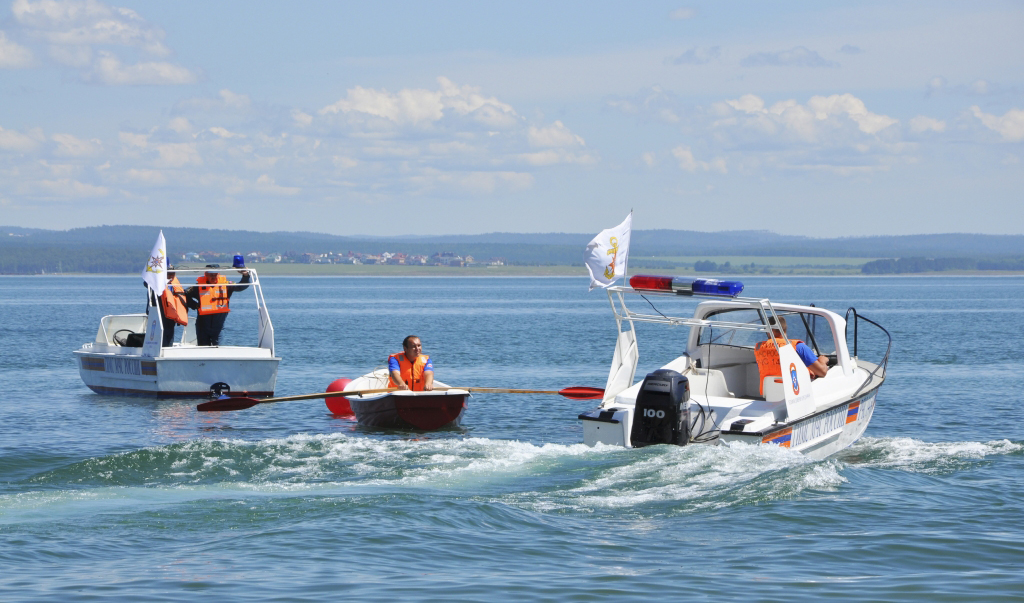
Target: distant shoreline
x=348 y=270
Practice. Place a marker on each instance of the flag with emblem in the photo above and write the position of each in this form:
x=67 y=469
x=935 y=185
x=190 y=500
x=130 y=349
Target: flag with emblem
x=155 y=273
x=607 y=254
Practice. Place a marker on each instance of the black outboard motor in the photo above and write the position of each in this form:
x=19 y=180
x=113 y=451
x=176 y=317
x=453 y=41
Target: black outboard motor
x=662 y=410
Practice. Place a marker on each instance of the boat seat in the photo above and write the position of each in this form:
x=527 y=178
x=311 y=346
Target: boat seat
x=773 y=388
x=714 y=384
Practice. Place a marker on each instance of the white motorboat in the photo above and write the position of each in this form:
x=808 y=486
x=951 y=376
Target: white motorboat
x=714 y=392
x=127 y=357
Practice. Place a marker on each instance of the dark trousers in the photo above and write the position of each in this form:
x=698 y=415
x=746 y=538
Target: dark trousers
x=208 y=328
x=169 y=325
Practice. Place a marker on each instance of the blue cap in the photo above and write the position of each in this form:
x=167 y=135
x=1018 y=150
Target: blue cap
x=239 y=262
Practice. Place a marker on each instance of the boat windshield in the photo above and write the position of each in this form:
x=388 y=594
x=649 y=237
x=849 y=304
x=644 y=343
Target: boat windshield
x=809 y=328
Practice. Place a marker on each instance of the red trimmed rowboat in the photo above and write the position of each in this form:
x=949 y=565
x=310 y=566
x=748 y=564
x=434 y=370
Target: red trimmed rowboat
x=423 y=411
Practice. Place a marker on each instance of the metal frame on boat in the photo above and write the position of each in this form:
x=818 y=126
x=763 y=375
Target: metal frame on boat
x=727 y=400
x=110 y=365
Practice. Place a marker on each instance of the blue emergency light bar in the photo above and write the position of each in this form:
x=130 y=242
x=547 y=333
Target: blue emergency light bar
x=680 y=286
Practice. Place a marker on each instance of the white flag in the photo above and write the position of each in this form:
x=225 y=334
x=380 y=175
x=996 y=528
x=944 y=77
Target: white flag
x=155 y=273
x=607 y=254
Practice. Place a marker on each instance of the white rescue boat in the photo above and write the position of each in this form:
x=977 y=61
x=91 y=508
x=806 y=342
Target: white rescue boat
x=714 y=392
x=127 y=358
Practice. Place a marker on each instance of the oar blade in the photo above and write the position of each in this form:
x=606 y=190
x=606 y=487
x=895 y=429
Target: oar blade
x=581 y=392
x=225 y=404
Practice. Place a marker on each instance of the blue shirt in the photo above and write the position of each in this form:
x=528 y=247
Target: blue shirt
x=806 y=354
x=393 y=365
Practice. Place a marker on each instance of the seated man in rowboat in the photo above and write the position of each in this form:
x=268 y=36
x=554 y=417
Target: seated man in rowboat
x=767 y=354
x=411 y=369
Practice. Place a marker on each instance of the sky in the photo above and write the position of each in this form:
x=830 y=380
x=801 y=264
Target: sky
x=821 y=119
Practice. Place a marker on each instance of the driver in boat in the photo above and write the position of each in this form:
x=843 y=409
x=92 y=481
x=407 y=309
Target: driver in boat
x=411 y=369
x=768 y=355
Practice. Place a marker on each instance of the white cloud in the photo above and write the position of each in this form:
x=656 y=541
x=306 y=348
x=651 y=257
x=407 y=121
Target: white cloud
x=923 y=123
x=87 y=22
x=799 y=56
x=72 y=146
x=147 y=176
x=556 y=156
x=108 y=69
x=16 y=141
x=103 y=42
x=224 y=133
x=301 y=118
x=178 y=154
x=473 y=182
x=69 y=188
x=649 y=159
x=13 y=55
x=1010 y=126
x=226 y=102
x=420 y=107
x=852 y=107
x=681 y=14
x=266 y=185
x=698 y=56
x=806 y=122
x=555 y=135
x=687 y=162
x=133 y=139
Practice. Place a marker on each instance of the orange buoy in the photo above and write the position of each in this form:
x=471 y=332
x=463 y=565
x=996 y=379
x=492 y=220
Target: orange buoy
x=338 y=404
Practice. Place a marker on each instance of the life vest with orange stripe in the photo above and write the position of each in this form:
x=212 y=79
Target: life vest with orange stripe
x=767 y=356
x=411 y=372
x=173 y=300
x=213 y=298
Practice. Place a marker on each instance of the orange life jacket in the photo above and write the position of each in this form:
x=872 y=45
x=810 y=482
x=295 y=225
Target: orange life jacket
x=173 y=302
x=214 y=299
x=411 y=372
x=768 y=359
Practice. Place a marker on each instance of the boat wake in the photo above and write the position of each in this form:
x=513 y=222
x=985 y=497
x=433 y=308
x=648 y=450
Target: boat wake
x=548 y=478
x=909 y=454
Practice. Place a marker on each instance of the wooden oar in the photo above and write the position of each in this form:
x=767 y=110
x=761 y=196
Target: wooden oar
x=241 y=403
x=576 y=393
x=226 y=404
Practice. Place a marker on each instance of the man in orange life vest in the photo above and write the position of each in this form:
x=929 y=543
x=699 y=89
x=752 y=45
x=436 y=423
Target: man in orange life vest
x=411 y=369
x=172 y=306
x=767 y=355
x=210 y=298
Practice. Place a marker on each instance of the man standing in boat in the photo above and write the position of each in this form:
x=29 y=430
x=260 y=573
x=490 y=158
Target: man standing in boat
x=411 y=369
x=173 y=306
x=211 y=298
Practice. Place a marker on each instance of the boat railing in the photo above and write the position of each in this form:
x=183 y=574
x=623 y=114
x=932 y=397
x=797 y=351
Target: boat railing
x=882 y=365
x=265 y=327
x=622 y=312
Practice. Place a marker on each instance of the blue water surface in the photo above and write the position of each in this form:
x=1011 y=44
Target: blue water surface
x=110 y=498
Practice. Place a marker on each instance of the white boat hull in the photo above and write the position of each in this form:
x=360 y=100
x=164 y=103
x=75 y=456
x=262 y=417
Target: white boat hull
x=819 y=435
x=135 y=375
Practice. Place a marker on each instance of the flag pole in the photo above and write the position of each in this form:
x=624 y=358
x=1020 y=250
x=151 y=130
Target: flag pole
x=625 y=276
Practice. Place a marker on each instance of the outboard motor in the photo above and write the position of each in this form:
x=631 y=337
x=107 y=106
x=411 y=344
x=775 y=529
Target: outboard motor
x=662 y=410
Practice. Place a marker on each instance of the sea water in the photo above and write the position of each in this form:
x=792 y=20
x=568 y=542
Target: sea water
x=113 y=498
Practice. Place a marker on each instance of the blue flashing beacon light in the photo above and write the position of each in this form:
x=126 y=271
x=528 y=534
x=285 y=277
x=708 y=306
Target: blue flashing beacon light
x=711 y=286
x=239 y=262
x=680 y=286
